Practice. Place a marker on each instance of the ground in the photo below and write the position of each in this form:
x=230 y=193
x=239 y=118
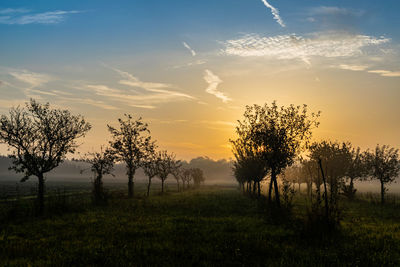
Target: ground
x=212 y=226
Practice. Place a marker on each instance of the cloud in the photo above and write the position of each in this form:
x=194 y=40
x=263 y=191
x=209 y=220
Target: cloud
x=32 y=78
x=353 y=67
x=189 y=48
x=195 y=63
x=50 y=17
x=328 y=45
x=275 y=13
x=386 y=73
x=213 y=82
x=335 y=11
x=13 y=11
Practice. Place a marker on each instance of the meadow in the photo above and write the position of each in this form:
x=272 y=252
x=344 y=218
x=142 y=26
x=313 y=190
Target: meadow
x=209 y=226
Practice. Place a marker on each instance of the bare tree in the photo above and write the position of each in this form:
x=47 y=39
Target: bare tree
x=165 y=166
x=383 y=165
x=101 y=163
x=131 y=144
x=40 y=138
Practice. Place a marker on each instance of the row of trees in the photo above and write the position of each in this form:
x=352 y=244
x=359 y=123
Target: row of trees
x=269 y=144
x=343 y=165
x=40 y=139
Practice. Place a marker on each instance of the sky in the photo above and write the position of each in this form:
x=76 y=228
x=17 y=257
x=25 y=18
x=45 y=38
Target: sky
x=189 y=68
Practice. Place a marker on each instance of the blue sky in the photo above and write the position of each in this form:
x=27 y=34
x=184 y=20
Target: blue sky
x=209 y=59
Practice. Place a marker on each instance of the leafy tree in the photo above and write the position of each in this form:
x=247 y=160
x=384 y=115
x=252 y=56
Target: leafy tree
x=165 y=166
x=150 y=168
x=131 y=144
x=249 y=164
x=356 y=171
x=384 y=165
x=335 y=159
x=186 y=177
x=101 y=163
x=176 y=171
x=40 y=138
x=198 y=176
x=278 y=134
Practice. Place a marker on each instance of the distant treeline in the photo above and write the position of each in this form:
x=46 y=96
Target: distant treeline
x=216 y=171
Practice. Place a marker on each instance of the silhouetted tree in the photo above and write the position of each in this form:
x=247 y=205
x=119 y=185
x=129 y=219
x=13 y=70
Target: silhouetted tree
x=384 y=165
x=165 y=166
x=131 y=144
x=176 y=171
x=40 y=138
x=335 y=159
x=356 y=171
x=150 y=168
x=101 y=163
x=198 y=177
x=278 y=133
x=186 y=177
x=249 y=165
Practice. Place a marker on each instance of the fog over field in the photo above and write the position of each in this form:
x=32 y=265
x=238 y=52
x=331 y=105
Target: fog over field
x=215 y=172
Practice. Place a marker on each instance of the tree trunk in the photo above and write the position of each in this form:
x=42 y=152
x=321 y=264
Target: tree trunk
x=130 y=183
x=270 y=191
x=40 y=194
x=273 y=177
x=254 y=187
x=259 y=189
x=382 y=193
x=177 y=181
x=299 y=187
x=148 y=187
x=326 y=192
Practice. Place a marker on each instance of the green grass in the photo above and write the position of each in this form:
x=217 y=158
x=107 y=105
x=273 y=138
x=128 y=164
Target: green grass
x=213 y=226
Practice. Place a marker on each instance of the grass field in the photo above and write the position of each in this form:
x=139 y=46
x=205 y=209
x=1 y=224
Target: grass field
x=212 y=226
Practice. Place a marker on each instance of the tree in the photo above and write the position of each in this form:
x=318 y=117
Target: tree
x=278 y=134
x=383 y=165
x=150 y=168
x=356 y=171
x=131 y=144
x=176 y=171
x=335 y=160
x=249 y=165
x=165 y=166
x=101 y=163
x=40 y=138
x=198 y=176
x=186 y=177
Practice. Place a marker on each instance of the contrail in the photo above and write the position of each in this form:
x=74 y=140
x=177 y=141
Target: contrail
x=189 y=48
x=275 y=13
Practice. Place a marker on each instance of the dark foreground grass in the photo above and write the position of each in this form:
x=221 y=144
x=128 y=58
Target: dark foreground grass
x=208 y=227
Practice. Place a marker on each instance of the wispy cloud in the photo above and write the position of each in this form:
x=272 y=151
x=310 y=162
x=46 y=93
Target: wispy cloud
x=20 y=16
x=353 y=67
x=189 y=48
x=213 y=82
x=13 y=11
x=335 y=11
x=190 y=64
x=328 y=45
x=386 y=73
x=32 y=78
x=275 y=13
